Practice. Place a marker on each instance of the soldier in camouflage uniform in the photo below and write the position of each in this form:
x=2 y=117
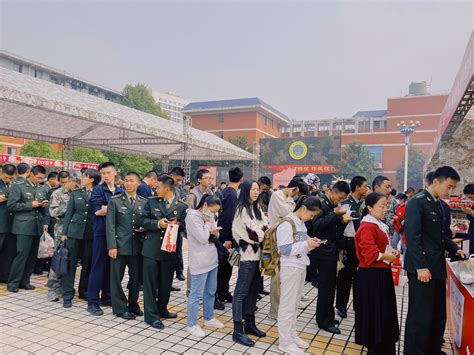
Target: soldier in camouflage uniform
x=57 y=210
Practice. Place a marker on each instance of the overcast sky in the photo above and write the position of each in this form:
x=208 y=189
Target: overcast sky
x=310 y=60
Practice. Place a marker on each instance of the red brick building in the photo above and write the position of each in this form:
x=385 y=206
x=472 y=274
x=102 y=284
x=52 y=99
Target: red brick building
x=377 y=130
x=251 y=118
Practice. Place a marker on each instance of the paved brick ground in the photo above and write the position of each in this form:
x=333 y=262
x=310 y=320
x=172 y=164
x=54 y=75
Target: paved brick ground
x=31 y=324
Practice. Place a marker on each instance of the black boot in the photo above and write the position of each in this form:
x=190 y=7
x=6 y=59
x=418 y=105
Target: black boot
x=251 y=327
x=239 y=335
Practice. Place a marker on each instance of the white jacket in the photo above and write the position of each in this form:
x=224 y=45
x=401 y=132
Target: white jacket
x=202 y=255
x=249 y=233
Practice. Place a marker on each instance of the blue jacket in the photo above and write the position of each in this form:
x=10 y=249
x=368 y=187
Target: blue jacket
x=100 y=196
x=144 y=190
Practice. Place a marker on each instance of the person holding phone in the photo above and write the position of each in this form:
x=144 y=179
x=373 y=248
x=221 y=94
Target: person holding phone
x=248 y=229
x=27 y=200
x=376 y=321
x=294 y=249
x=346 y=278
x=202 y=230
x=330 y=225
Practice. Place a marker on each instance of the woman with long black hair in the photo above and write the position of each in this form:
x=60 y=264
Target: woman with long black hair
x=248 y=229
x=376 y=321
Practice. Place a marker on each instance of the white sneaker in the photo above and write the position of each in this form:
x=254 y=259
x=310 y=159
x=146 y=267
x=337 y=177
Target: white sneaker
x=290 y=349
x=300 y=342
x=213 y=323
x=197 y=331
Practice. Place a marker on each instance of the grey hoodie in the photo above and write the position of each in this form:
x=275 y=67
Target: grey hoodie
x=202 y=255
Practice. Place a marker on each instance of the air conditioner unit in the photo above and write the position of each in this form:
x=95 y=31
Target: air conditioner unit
x=377 y=165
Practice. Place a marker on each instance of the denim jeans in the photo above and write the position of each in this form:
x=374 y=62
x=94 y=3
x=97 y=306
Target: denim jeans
x=246 y=290
x=202 y=286
x=396 y=238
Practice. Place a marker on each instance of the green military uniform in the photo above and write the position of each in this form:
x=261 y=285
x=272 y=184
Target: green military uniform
x=27 y=225
x=426 y=245
x=20 y=179
x=159 y=265
x=124 y=215
x=7 y=241
x=78 y=229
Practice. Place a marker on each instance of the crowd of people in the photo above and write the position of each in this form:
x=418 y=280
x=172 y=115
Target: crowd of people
x=339 y=238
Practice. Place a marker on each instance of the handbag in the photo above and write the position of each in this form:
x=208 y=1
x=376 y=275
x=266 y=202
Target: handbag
x=59 y=262
x=234 y=256
x=46 y=246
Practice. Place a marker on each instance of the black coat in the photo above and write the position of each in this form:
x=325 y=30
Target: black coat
x=328 y=225
x=426 y=242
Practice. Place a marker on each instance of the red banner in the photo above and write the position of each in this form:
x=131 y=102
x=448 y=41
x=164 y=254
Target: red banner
x=51 y=163
x=315 y=169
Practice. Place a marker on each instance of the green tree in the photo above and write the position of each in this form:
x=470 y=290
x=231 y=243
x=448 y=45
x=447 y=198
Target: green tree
x=131 y=162
x=40 y=149
x=357 y=160
x=88 y=155
x=139 y=97
x=241 y=142
x=416 y=162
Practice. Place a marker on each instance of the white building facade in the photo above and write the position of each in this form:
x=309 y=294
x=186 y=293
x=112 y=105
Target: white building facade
x=171 y=103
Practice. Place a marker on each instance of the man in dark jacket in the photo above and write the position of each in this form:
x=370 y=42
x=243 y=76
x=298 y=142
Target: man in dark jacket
x=99 y=278
x=347 y=276
x=426 y=266
x=148 y=183
x=329 y=226
x=229 y=201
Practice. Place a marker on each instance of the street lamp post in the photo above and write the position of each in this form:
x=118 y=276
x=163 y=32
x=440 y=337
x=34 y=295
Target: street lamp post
x=407 y=128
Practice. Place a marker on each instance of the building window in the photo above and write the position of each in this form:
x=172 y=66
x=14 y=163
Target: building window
x=380 y=124
x=18 y=67
x=38 y=74
x=11 y=151
x=323 y=127
x=364 y=124
x=271 y=123
x=264 y=120
x=221 y=118
x=376 y=153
